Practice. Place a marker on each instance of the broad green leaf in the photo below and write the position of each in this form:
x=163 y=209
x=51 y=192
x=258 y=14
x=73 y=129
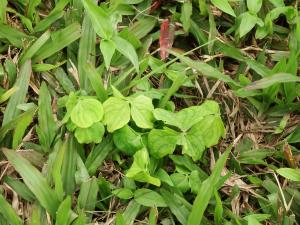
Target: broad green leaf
x=34 y=180
x=167 y=117
x=186 y=13
x=86 y=53
x=291 y=174
x=271 y=80
x=46 y=128
x=224 y=6
x=127 y=140
x=149 y=198
x=194 y=143
x=99 y=18
x=212 y=129
x=107 y=48
x=92 y=134
x=123 y=193
x=87 y=112
x=126 y=49
x=248 y=21
x=254 y=5
x=180 y=181
x=206 y=191
x=195 y=181
x=139 y=168
x=64 y=212
x=141 y=111
x=143 y=26
x=19 y=96
x=116 y=113
x=162 y=142
x=8 y=212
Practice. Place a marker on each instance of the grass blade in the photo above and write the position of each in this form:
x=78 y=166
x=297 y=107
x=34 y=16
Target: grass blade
x=205 y=69
x=46 y=128
x=96 y=81
x=20 y=188
x=14 y=36
x=88 y=195
x=34 y=180
x=8 y=212
x=98 y=154
x=274 y=79
x=86 y=52
x=59 y=40
x=14 y=122
x=29 y=53
x=206 y=191
x=19 y=96
x=64 y=212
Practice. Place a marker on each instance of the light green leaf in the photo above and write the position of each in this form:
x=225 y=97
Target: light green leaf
x=64 y=212
x=248 y=21
x=212 y=129
x=34 y=180
x=254 y=5
x=100 y=19
x=123 y=193
x=162 y=142
x=126 y=49
x=180 y=181
x=291 y=174
x=127 y=140
x=193 y=143
x=107 y=48
x=224 y=6
x=149 y=198
x=116 y=113
x=139 y=168
x=92 y=134
x=186 y=13
x=86 y=112
x=141 y=111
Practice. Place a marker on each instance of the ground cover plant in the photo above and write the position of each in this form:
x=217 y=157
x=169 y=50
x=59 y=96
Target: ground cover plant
x=149 y=112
